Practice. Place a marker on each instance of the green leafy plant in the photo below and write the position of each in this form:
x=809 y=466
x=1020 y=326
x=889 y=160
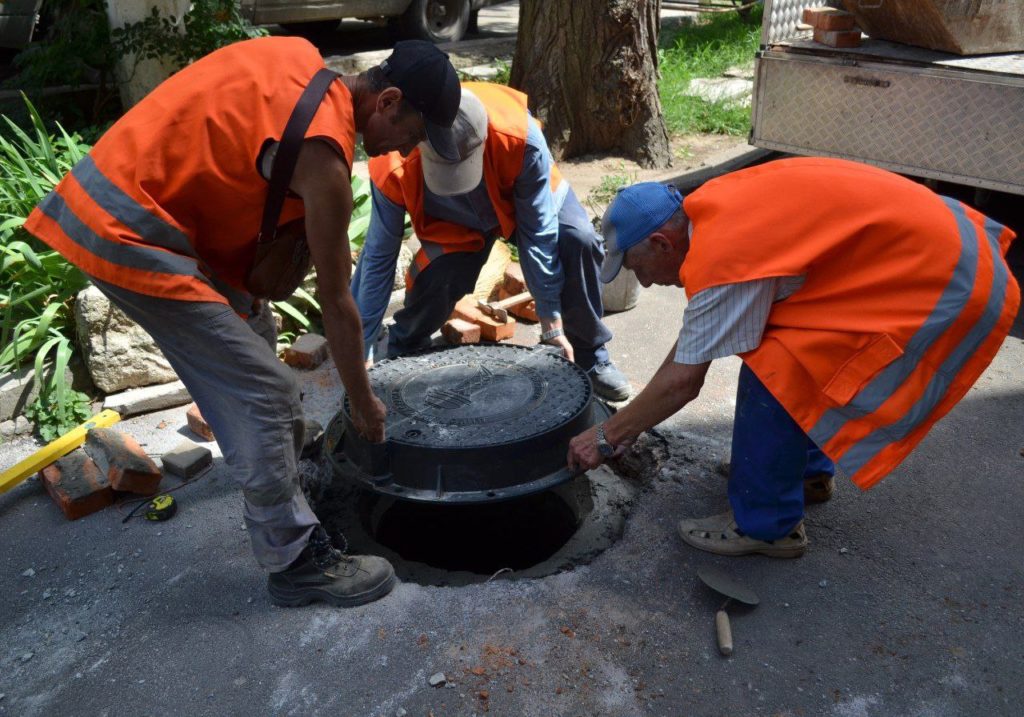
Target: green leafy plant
x=37 y=285
x=504 y=73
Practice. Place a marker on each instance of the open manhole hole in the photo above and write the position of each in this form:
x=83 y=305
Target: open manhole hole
x=471 y=481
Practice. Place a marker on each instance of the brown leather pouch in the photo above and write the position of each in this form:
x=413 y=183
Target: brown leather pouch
x=280 y=265
x=282 y=256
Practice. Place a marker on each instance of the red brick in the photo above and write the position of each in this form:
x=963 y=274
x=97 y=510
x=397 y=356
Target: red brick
x=838 y=38
x=459 y=331
x=123 y=461
x=514 y=283
x=308 y=351
x=197 y=424
x=76 y=485
x=828 y=18
x=490 y=329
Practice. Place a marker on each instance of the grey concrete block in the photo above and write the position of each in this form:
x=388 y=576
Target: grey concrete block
x=186 y=459
x=148 y=398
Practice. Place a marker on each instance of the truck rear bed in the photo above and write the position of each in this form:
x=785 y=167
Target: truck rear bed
x=907 y=109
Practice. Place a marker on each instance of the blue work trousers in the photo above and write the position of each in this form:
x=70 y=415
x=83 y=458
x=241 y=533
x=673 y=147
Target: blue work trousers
x=451 y=276
x=771 y=458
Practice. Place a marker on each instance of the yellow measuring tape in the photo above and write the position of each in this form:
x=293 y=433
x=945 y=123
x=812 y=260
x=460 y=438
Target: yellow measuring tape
x=57 y=448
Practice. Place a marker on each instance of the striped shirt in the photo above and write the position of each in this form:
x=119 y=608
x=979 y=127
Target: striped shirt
x=730 y=319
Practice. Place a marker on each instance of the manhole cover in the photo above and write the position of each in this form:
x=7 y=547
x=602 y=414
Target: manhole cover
x=469 y=424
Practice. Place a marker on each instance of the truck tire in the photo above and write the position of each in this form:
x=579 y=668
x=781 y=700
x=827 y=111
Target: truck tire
x=436 y=20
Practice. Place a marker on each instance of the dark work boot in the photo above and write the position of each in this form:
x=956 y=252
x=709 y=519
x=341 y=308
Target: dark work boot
x=322 y=573
x=609 y=383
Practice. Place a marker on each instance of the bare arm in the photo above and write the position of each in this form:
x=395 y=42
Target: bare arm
x=672 y=387
x=322 y=180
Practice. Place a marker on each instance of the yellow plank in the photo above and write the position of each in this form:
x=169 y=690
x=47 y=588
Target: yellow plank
x=55 y=449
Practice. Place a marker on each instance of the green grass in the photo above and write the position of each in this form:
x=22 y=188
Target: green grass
x=708 y=48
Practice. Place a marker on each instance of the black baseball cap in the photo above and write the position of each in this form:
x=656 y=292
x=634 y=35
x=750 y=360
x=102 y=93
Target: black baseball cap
x=428 y=82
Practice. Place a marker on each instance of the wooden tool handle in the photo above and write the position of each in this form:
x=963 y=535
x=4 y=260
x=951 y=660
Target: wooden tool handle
x=724 y=631
x=507 y=303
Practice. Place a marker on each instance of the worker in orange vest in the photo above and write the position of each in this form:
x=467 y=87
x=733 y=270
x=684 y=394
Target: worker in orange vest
x=163 y=216
x=504 y=184
x=863 y=305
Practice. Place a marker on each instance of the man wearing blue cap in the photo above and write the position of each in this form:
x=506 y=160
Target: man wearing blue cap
x=863 y=305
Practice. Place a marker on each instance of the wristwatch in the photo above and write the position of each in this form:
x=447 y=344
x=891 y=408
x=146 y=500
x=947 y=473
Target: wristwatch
x=552 y=334
x=606 y=449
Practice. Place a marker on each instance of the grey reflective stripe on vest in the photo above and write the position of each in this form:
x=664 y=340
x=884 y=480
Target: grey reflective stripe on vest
x=869 y=446
x=954 y=297
x=151 y=228
x=129 y=256
x=432 y=250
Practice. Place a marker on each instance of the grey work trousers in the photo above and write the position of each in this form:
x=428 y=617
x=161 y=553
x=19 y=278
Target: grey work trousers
x=251 y=401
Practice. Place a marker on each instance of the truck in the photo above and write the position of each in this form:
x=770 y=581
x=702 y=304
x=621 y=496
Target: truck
x=916 y=111
x=433 y=20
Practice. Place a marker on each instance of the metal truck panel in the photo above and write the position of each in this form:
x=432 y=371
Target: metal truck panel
x=945 y=125
x=906 y=109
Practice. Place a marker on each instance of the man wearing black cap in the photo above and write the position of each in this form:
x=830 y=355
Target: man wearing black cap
x=163 y=216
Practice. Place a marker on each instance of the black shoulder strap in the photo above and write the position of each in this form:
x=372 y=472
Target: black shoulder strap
x=288 y=150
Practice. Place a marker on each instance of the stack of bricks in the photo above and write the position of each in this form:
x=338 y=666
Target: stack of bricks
x=513 y=283
x=832 y=27
x=89 y=478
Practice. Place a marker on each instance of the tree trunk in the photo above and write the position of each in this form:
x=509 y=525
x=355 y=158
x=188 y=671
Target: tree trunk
x=137 y=77
x=590 y=70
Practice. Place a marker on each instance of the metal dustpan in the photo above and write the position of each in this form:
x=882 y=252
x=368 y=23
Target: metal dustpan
x=732 y=590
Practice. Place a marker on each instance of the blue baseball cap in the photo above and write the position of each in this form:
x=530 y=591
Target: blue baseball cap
x=635 y=213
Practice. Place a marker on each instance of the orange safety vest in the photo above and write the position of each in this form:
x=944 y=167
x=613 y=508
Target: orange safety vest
x=169 y=201
x=400 y=179
x=907 y=298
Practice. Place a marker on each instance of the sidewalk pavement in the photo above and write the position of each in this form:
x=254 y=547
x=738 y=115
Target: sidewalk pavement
x=908 y=601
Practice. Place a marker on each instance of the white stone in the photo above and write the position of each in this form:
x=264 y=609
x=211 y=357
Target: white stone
x=117 y=351
x=148 y=398
x=720 y=89
x=20 y=426
x=480 y=72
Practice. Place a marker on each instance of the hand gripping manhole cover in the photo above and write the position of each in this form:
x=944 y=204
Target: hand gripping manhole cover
x=470 y=424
